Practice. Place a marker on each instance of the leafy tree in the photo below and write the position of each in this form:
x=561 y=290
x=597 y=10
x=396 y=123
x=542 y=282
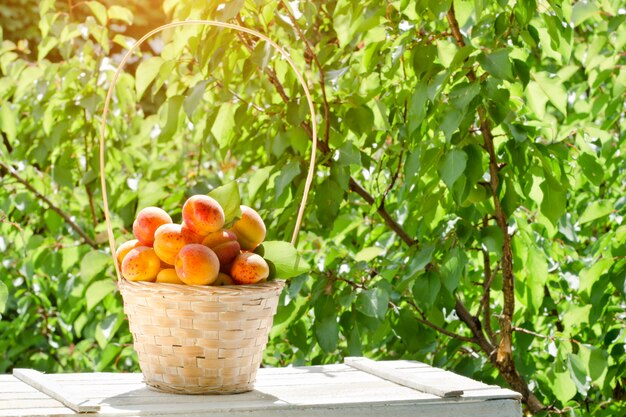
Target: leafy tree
x=467 y=209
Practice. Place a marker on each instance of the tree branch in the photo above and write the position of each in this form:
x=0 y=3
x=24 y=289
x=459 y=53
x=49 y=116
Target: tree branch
x=504 y=357
x=439 y=329
x=50 y=204
x=393 y=225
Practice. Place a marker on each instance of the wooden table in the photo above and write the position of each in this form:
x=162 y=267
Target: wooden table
x=359 y=387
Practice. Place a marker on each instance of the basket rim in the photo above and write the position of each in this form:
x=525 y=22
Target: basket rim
x=179 y=289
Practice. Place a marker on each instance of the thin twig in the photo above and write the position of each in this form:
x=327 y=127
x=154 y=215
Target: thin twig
x=439 y=329
x=309 y=47
x=50 y=204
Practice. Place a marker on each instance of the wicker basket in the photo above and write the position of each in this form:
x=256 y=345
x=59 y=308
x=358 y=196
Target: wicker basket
x=200 y=339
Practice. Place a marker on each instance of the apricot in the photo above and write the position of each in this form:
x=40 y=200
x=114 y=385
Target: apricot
x=197 y=265
x=124 y=248
x=148 y=220
x=227 y=251
x=250 y=229
x=223 y=279
x=190 y=235
x=168 y=275
x=203 y=214
x=141 y=264
x=169 y=239
x=249 y=268
x=225 y=245
x=217 y=238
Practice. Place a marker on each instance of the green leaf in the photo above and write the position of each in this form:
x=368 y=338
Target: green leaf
x=8 y=122
x=492 y=239
x=97 y=291
x=121 y=13
x=93 y=263
x=224 y=124
x=537 y=275
x=284 y=258
x=426 y=288
x=421 y=259
x=286 y=177
x=349 y=154
x=452 y=167
x=583 y=11
x=497 y=64
x=230 y=10
x=591 y=168
x=553 y=88
x=578 y=373
x=452 y=268
x=327 y=333
x=369 y=253
x=596 y=210
x=563 y=386
x=147 y=71
x=360 y=119
x=373 y=302
x=193 y=99
x=4 y=296
x=99 y=11
x=554 y=199
x=261 y=54
x=228 y=197
x=150 y=194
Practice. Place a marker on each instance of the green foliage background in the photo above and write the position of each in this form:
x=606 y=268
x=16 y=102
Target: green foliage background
x=403 y=225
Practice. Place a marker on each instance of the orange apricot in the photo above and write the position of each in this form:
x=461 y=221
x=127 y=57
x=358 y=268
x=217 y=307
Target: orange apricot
x=168 y=275
x=217 y=238
x=227 y=251
x=197 y=265
x=203 y=214
x=124 y=248
x=249 y=268
x=190 y=235
x=141 y=264
x=250 y=229
x=223 y=279
x=169 y=239
x=148 y=220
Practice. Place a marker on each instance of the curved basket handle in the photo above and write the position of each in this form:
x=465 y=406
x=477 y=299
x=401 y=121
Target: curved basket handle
x=105 y=111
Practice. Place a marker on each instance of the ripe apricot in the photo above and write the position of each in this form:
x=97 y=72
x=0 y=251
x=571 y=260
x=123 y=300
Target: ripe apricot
x=190 y=235
x=227 y=251
x=249 y=268
x=197 y=265
x=168 y=275
x=217 y=238
x=169 y=239
x=141 y=264
x=148 y=220
x=224 y=244
x=124 y=248
x=203 y=214
x=223 y=279
x=250 y=229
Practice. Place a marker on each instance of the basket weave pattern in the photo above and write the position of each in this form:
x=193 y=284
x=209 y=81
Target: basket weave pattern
x=200 y=340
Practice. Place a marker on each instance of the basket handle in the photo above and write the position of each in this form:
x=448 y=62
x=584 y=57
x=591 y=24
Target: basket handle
x=105 y=111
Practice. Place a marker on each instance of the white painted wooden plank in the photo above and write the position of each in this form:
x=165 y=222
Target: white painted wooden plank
x=19 y=402
x=55 y=390
x=500 y=408
x=30 y=411
x=492 y=394
x=370 y=366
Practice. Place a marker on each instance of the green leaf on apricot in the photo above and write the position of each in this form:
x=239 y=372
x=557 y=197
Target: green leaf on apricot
x=284 y=259
x=228 y=197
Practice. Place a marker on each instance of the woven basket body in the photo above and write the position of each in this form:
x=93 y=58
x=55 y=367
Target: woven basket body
x=200 y=340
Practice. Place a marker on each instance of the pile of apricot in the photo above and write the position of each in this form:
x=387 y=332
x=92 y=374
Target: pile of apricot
x=199 y=251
